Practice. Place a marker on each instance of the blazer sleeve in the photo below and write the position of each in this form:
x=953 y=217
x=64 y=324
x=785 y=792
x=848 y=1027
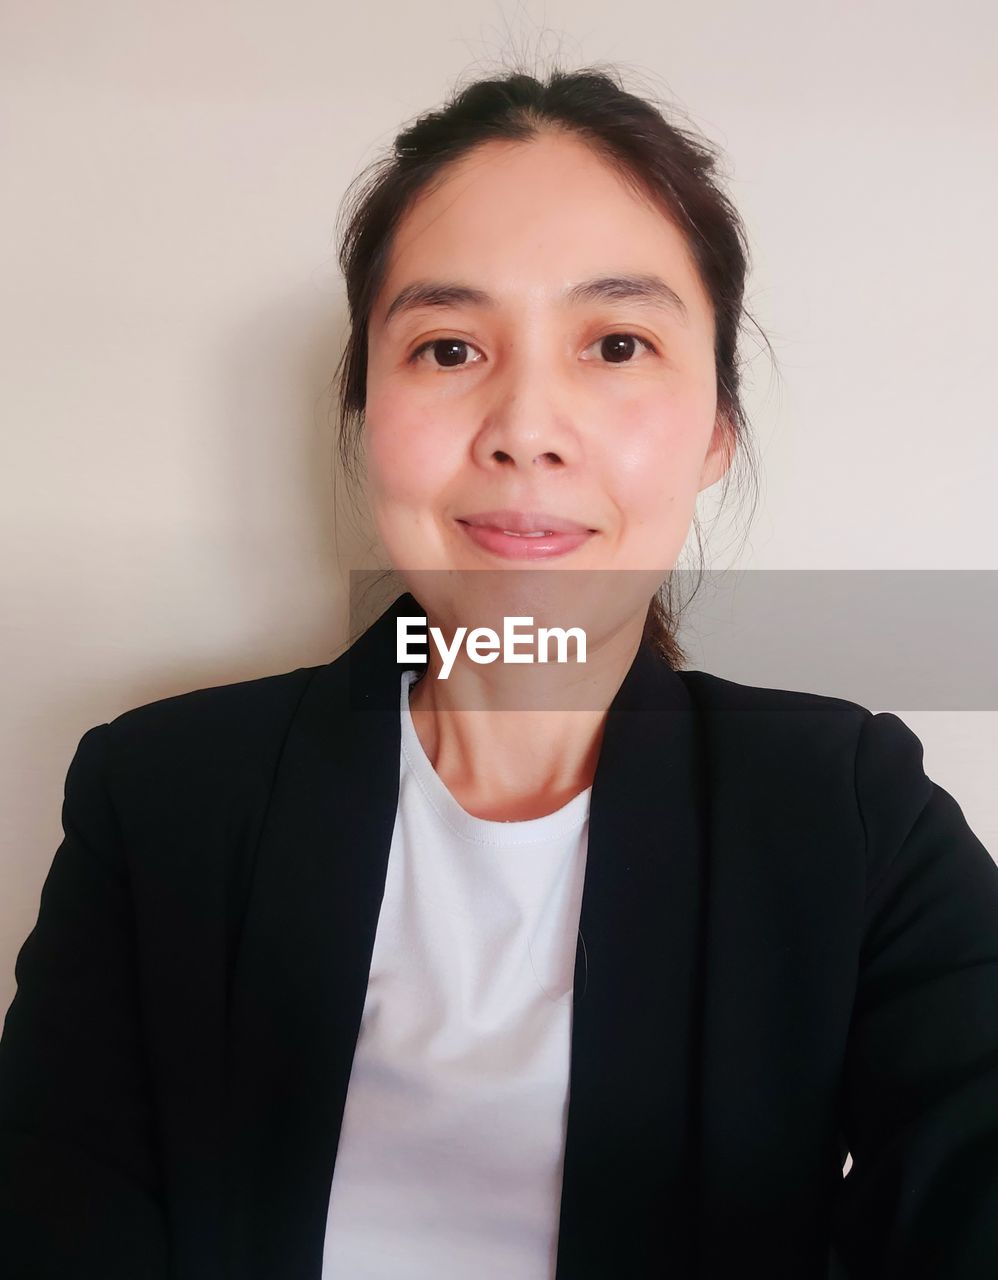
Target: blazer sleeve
x=920 y=1087
x=80 y=1188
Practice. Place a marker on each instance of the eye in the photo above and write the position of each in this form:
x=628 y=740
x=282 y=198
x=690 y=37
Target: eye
x=448 y=351
x=618 y=348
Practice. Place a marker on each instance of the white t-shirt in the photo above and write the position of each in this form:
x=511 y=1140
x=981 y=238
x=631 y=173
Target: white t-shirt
x=451 y=1150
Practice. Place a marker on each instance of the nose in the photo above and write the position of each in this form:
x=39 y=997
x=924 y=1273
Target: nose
x=526 y=421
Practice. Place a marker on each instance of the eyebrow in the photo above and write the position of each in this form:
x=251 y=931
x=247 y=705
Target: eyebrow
x=646 y=289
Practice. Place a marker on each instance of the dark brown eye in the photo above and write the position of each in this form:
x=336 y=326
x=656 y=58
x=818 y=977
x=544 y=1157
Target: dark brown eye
x=448 y=353
x=618 y=348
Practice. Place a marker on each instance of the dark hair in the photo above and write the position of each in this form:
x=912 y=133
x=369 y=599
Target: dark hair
x=672 y=165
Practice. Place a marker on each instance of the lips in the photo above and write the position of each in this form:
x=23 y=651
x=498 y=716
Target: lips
x=524 y=523
x=524 y=535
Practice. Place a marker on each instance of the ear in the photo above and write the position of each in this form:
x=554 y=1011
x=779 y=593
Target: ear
x=720 y=451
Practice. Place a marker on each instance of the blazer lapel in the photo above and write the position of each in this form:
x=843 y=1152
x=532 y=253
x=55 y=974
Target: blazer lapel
x=630 y=1178
x=300 y=977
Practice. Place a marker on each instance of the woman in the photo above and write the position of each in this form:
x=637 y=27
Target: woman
x=335 y=976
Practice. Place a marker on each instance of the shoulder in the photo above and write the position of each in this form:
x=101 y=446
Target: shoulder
x=715 y=692
x=868 y=759
x=794 y=716
x=805 y=720
x=197 y=746
x=780 y=720
x=219 y=711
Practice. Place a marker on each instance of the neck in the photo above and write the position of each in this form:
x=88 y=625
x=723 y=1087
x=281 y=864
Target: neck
x=511 y=745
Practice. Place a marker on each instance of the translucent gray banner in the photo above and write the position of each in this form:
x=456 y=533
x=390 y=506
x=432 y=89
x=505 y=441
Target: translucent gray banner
x=913 y=640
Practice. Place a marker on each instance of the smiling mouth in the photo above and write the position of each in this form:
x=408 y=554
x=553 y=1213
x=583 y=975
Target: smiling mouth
x=511 y=544
x=512 y=533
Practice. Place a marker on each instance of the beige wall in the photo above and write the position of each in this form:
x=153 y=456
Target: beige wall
x=170 y=316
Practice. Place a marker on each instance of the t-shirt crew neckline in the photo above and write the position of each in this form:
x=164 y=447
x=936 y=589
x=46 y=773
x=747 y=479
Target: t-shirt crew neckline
x=483 y=831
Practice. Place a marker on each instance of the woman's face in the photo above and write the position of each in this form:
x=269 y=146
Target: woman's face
x=597 y=407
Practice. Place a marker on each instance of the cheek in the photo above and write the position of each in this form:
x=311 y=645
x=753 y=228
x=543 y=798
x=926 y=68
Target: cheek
x=655 y=458
x=408 y=449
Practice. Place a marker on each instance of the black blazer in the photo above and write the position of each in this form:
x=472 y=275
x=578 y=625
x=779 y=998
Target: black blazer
x=789 y=949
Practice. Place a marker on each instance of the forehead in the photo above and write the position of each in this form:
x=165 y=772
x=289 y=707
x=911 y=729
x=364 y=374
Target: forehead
x=527 y=220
